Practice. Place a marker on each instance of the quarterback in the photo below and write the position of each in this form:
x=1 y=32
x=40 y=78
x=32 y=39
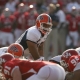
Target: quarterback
x=34 y=37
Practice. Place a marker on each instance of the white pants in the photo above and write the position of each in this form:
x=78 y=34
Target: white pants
x=74 y=36
x=6 y=38
x=49 y=72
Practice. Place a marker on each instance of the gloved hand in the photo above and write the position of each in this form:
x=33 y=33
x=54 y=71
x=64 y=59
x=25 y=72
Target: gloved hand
x=41 y=58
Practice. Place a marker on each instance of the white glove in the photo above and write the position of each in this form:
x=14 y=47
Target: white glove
x=41 y=58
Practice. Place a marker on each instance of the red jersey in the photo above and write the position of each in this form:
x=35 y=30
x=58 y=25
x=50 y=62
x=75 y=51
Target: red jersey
x=73 y=22
x=28 y=2
x=19 y=19
x=3 y=2
x=30 y=19
x=73 y=61
x=26 y=67
x=7 y=22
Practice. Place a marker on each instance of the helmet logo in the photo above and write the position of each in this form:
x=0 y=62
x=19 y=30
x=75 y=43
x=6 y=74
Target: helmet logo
x=41 y=18
x=66 y=55
x=1 y=60
x=13 y=48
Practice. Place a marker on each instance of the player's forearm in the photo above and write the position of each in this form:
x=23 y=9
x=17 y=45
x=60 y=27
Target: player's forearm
x=17 y=74
x=33 y=50
x=34 y=53
x=40 y=49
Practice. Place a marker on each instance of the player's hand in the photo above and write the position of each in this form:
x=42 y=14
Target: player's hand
x=41 y=58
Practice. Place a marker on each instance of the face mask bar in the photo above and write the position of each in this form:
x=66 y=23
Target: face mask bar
x=63 y=63
x=45 y=30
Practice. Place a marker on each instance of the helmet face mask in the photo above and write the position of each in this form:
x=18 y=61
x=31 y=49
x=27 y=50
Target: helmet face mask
x=44 y=23
x=44 y=29
x=64 y=64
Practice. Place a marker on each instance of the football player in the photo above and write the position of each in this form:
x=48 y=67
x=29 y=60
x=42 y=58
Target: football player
x=7 y=21
x=66 y=56
x=21 y=69
x=34 y=37
x=74 y=68
x=56 y=59
x=15 y=49
x=64 y=59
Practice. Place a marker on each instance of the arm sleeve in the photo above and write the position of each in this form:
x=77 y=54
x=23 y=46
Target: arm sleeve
x=33 y=36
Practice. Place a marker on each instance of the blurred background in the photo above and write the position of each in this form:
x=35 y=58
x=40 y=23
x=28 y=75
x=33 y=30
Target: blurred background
x=18 y=15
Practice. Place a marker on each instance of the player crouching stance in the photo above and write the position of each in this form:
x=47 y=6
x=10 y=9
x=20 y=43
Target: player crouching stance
x=70 y=60
x=20 y=69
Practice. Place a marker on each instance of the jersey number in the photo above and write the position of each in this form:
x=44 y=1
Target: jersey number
x=7 y=70
x=74 y=61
